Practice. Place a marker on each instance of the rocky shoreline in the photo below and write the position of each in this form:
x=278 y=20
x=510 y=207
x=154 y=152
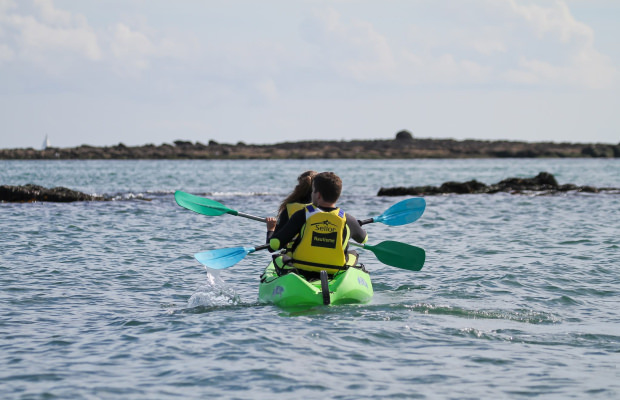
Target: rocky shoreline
x=543 y=183
x=403 y=146
x=29 y=193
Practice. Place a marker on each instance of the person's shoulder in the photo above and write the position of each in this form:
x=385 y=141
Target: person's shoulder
x=300 y=214
x=292 y=208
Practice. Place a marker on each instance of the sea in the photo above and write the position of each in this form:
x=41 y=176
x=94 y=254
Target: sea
x=519 y=297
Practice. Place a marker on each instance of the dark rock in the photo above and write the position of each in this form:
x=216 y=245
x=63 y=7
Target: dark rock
x=599 y=151
x=591 y=189
x=463 y=187
x=30 y=192
x=404 y=135
x=544 y=183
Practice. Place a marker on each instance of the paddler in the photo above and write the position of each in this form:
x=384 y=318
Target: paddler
x=323 y=231
x=295 y=201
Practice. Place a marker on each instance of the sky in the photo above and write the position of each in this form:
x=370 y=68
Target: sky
x=103 y=72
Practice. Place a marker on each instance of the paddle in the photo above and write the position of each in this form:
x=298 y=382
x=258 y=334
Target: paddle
x=225 y=258
x=401 y=213
x=397 y=254
x=210 y=207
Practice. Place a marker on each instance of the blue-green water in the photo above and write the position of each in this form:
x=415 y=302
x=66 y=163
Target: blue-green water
x=519 y=297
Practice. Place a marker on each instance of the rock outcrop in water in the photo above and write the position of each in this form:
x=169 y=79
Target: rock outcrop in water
x=403 y=146
x=543 y=183
x=30 y=192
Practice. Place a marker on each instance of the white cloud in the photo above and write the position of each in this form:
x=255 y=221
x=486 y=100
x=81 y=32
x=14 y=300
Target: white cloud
x=352 y=48
x=132 y=48
x=356 y=49
x=571 y=58
x=49 y=39
x=556 y=20
x=588 y=69
x=54 y=40
x=513 y=44
x=35 y=36
x=56 y=17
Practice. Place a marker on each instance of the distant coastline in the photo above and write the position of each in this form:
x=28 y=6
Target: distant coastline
x=403 y=146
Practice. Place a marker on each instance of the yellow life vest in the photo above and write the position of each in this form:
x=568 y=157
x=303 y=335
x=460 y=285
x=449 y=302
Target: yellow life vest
x=324 y=238
x=292 y=208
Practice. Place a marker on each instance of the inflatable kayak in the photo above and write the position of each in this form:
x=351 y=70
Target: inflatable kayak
x=292 y=290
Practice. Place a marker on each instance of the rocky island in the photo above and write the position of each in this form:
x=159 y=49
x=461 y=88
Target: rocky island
x=403 y=146
x=543 y=183
x=30 y=193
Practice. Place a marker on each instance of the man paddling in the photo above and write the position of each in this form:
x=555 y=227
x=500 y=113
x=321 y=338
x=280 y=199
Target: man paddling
x=324 y=231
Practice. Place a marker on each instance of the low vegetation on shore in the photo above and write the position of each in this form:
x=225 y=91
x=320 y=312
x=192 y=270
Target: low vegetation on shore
x=403 y=146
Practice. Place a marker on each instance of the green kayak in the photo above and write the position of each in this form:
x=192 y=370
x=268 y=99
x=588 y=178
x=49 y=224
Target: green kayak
x=292 y=290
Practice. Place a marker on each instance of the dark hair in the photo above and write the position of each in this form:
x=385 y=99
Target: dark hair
x=329 y=185
x=302 y=192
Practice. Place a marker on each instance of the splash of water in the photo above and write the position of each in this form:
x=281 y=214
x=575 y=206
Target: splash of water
x=212 y=293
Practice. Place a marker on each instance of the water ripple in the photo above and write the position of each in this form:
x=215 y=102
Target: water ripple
x=104 y=300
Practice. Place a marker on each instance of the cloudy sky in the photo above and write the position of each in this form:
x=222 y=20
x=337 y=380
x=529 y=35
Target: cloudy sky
x=101 y=72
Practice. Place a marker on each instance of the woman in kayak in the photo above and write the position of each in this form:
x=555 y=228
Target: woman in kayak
x=295 y=201
x=322 y=229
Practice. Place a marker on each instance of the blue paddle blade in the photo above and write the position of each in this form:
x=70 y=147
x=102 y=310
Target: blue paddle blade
x=403 y=212
x=223 y=258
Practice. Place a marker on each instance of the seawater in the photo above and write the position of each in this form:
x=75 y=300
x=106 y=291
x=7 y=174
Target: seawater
x=519 y=297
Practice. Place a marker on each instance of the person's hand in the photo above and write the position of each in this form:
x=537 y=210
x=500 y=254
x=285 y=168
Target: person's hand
x=271 y=224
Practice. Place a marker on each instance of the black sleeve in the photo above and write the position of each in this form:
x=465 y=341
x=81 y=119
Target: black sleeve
x=357 y=232
x=292 y=228
x=282 y=220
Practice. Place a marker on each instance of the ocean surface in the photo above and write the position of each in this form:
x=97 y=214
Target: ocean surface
x=519 y=296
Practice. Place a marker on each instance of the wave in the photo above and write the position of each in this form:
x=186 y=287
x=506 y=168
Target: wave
x=148 y=194
x=521 y=315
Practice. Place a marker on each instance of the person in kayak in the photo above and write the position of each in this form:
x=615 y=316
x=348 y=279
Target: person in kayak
x=295 y=201
x=323 y=231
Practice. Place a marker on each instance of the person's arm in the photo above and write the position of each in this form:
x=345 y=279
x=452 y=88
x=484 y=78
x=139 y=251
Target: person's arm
x=357 y=232
x=271 y=226
x=282 y=220
x=284 y=235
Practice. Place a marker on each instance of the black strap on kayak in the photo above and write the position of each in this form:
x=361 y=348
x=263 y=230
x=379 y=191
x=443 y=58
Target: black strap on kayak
x=340 y=268
x=325 y=288
x=318 y=265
